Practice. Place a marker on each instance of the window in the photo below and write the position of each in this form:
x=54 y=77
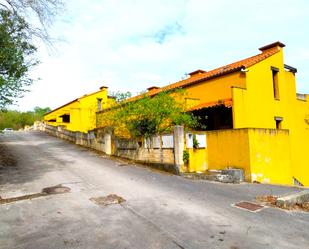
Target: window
x=66 y=118
x=99 y=104
x=278 y=122
x=275 y=82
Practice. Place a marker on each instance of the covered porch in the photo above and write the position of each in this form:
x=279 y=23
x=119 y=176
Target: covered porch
x=216 y=115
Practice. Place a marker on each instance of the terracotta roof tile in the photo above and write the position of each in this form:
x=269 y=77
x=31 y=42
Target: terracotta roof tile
x=230 y=68
x=225 y=102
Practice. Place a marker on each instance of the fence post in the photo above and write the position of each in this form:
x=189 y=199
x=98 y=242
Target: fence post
x=77 y=138
x=108 y=143
x=179 y=146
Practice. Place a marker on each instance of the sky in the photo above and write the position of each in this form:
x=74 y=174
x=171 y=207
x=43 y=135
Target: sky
x=130 y=45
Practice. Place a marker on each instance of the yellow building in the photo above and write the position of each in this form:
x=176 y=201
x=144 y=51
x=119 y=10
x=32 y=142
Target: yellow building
x=255 y=119
x=258 y=92
x=79 y=114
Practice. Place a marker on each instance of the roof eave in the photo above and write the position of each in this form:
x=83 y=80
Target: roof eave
x=60 y=107
x=214 y=76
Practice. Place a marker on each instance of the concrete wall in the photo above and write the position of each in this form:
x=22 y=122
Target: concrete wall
x=160 y=157
x=300 y=142
x=270 y=159
x=198 y=157
x=197 y=160
x=229 y=148
x=264 y=154
x=83 y=139
x=156 y=156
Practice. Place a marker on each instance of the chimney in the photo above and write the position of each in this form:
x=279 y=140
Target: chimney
x=103 y=87
x=152 y=88
x=197 y=72
x=277 y=44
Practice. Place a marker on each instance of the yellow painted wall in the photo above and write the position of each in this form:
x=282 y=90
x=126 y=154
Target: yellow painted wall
x=215 y=89
x=229 y=148
x=270 y=160
x=82 y=112
x=56 y=115
x=300 y=142
x=255 y=106
x=264 y=154
x=197 y=160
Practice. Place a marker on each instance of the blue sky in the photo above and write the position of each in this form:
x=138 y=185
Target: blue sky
x=129 y=45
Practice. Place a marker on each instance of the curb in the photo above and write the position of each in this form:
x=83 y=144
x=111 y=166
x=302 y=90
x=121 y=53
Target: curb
x=289 y=200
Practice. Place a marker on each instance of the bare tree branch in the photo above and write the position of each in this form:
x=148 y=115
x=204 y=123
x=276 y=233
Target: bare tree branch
x=42 y=12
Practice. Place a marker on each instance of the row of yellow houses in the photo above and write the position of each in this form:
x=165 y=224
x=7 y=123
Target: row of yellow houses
x=258 y=92
x=80 y=114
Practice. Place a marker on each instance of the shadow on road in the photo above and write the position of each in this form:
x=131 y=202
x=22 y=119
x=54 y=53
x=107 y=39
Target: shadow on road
x=22 y=162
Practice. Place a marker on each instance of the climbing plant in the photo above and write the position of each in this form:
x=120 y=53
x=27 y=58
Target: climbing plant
x=185 y=157
x=195 y=142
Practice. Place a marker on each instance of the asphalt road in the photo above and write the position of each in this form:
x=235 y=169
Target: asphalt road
x=160 y=211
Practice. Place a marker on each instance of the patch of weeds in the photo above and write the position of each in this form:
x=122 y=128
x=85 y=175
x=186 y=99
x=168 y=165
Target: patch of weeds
x=185 y=157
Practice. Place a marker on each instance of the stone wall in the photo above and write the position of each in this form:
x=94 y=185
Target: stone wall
x=157 y=152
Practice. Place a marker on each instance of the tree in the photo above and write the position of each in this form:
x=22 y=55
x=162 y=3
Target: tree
x=39 y=111
x=16 y=57
x=149 y=116
x=42 y=12
x=17 y=34
x=17 y=120
x=120 y=96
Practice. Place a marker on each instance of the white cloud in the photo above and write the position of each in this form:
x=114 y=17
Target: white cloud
x=131 y=45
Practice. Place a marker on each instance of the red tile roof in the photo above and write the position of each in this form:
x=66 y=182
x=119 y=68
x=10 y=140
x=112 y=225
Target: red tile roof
x=230 y=68
x=225 y=102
